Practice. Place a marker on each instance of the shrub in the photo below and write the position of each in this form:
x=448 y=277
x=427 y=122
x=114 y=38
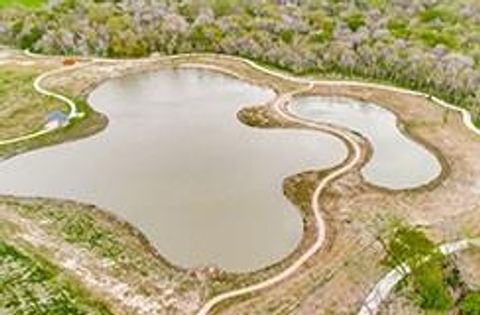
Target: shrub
x=471 y=304
x=355 y=21
x=411 y=245
x=399 y=27
x=432 y=290
x=441 y=14
x=432 y=38
x=29 y=39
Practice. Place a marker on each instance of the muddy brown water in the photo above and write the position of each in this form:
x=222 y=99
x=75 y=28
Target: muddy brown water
x=175 y=162
x=398 y=162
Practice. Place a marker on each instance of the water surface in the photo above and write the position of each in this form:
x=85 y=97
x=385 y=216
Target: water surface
x=398 y=162
x=175 y=162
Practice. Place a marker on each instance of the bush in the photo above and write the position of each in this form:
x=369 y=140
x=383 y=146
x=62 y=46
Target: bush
x=432 y=38
x=471 y=304
x=399 y=27
x=355 y=21
x=433 y=14
x=28 y=40
x=431 y=287
x=410 y=245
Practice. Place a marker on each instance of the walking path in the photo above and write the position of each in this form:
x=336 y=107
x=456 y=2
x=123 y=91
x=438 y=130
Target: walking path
x=73 y=110
x=467 y=116
x=280 y=105
x=384 y=287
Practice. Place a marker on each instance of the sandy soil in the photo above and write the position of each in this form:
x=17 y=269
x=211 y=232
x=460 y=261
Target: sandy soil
x=448 y=209
x=339 y=277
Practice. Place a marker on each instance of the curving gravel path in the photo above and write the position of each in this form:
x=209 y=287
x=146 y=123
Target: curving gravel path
x=467 y=116
x=383 y=288
x=280 y=107
x=73 y=110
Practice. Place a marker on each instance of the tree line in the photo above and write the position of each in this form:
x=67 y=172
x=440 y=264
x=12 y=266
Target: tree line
x=427 y=45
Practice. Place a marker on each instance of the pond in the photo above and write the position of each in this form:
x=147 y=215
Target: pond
x=175 y=162
x=397 y=162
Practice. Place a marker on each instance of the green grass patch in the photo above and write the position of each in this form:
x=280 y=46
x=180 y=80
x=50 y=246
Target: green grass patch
x=476 y=120
x=33 y=4
x=22 y=109
x=31 y=285
x=429 y=277
x=82 y=229
x=399 y=27
x=471 y=304
x=355 y=21
x=434 y=37
x=431 y=288
x=91 y=123
x=438 y=13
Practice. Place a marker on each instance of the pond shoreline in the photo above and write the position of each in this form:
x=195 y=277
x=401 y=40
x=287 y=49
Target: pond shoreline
x=281 y=85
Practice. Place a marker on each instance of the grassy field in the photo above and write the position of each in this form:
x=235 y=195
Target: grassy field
x=25 y=3
x=22 y=109
x=31 y=285
x=130 y=259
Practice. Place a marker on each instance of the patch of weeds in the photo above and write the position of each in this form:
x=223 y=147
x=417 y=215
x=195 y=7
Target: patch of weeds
x=471 y=304
x=80 y=127
x=429 y=278
x=355 y=21
x=82 y=229
x=31 y=285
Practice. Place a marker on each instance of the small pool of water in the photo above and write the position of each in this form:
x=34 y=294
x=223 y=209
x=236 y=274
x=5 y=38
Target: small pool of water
x=398 y=162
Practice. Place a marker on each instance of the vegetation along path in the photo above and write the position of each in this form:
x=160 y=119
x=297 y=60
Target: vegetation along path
x=37 y=85
x=280 y=104
x=385 y=286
